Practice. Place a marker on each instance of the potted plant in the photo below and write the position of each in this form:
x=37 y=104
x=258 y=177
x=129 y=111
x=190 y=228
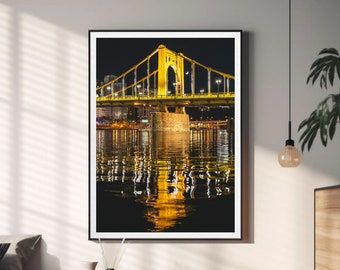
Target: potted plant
x=324 y=119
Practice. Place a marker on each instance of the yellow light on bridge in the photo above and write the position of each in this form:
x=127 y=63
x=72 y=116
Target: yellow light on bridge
x=218 y=82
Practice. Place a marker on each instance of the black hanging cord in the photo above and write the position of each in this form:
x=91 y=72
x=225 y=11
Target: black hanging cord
x=290 y=141
x=290 y=59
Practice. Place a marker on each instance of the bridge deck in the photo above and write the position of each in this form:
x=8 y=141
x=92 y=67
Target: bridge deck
x=169 y=100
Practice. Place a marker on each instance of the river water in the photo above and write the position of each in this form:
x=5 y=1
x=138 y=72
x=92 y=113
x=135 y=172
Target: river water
x=165 y=181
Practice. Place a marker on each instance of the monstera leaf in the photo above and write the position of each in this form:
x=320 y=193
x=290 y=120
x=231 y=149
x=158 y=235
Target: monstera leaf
x=325 y=117
x=323 y=120
x=325 y=67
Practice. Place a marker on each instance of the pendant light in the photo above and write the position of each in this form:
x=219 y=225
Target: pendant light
x=289 y=156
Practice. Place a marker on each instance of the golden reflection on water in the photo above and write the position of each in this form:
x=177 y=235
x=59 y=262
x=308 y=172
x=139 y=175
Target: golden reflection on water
x=164 y=170
x=168 y=205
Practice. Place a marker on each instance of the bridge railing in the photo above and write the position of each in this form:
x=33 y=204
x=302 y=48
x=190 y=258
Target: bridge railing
x=114 y=97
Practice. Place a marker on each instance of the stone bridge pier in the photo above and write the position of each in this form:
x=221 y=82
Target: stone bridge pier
x=169 y=121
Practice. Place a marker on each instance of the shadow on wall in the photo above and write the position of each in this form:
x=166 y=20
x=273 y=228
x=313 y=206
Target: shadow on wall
x=43 y=101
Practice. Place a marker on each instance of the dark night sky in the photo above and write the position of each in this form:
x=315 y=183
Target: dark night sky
x=117 y=55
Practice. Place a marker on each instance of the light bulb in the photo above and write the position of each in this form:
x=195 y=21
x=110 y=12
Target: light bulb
x=289 y=156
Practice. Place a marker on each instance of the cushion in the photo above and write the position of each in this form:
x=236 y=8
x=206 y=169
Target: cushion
x=3 y=249
x=26 y=247
x=20 y=251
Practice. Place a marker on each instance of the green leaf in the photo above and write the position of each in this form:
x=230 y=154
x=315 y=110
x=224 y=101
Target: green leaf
x=329 y=50
x=338 y=69
x=323 y=133
x=314 y=74
x=329 y=59
x=331 y=73
x=334 y=115
x=332 y=126
x=311 y=138
x=311 y=125
x=305 y=134
x=323 y=81
x=302 y=124
x=316 y=63
x=326 y=66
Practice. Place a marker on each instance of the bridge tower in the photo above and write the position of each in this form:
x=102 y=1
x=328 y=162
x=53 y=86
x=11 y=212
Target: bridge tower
x=170 y=59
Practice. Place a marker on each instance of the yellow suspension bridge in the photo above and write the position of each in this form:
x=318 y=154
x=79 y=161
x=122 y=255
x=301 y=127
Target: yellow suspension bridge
x=148 y=83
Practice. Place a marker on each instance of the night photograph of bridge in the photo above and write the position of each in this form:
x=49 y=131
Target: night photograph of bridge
x=165 y=134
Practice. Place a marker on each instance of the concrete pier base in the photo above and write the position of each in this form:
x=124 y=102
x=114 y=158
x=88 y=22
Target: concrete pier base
x=166 y=121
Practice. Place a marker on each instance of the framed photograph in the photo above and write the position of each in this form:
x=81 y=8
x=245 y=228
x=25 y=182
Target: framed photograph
x=327 y=228
x=165 y=134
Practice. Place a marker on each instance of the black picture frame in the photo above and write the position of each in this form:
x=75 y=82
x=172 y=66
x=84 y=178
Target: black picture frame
x=130 y=197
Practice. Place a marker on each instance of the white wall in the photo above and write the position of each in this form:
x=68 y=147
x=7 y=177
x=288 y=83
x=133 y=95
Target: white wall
x=44 y=125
